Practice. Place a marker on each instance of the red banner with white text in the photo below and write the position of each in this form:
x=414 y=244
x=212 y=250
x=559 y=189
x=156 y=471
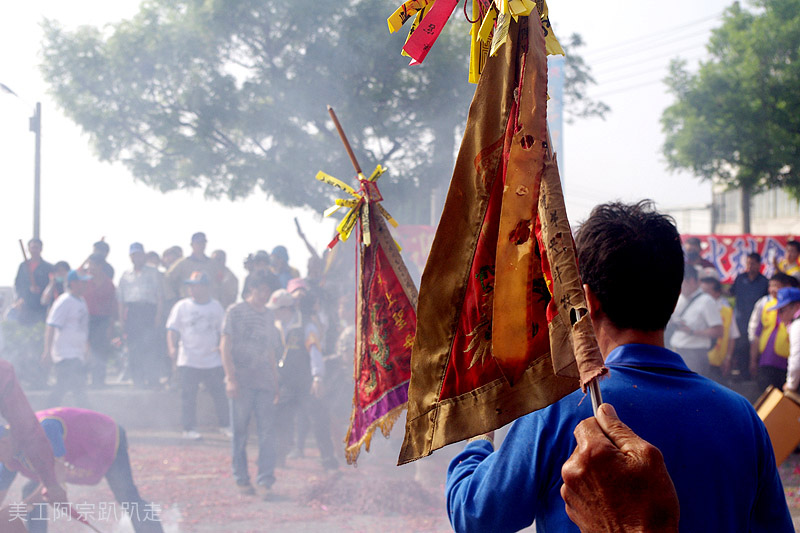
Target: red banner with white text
x=728 y=252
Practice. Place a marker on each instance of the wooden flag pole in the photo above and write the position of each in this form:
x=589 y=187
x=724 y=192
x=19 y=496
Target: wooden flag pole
x=593 y=386
x=344 y=140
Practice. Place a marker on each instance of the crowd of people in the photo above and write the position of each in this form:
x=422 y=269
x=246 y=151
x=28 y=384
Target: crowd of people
x=279 y=352
x=748 y=340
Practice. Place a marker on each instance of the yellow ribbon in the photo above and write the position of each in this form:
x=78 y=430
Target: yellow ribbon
x=358 y=207
x=490 y=26
x=405 y=12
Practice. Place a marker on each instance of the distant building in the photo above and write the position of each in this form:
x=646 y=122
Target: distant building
x=691 y=220
x=773 y=212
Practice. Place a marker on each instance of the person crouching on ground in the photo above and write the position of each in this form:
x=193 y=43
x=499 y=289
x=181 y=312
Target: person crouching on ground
x=87 y=446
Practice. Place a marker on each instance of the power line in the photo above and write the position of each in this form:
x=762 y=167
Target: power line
x=642 y=72
x=639 y=51
x=637 y=62
x=658 y=35
x=626 y=89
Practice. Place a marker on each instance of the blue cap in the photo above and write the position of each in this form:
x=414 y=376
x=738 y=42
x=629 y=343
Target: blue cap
x=74 y=275
x=281 y=253
x=136 y=248
x=197 y=278
x=786 y=296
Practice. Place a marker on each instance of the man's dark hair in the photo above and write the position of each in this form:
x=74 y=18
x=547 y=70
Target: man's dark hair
x=794 y=244
x=97 y=258
x=101 y=247
x=62 y=264
x=624 y=250
x=754 y=256
x=689 y=272
x=694 y=241
x=784 y=279
x=714 y=282
x=35 y=240
x=260 y=278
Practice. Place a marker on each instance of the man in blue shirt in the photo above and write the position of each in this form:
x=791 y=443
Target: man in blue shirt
x=715 y=447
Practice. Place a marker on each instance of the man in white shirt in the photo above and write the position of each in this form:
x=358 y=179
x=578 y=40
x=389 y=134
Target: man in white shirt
x=141 y=303
x=66 y=341
x=788 y=307
x=698 y=323
x=193 y=334
x=720 y=356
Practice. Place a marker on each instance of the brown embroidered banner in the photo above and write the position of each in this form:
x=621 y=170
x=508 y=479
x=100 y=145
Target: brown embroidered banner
x=501 y=318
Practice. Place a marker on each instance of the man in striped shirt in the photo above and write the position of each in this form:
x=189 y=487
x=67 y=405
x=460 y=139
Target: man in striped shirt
x=249 y=348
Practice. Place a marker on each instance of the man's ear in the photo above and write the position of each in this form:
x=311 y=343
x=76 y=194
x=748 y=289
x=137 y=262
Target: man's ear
x=595 y=308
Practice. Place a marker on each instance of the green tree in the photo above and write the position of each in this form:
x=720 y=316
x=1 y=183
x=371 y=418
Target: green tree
x=229 y=96
x=736 y=121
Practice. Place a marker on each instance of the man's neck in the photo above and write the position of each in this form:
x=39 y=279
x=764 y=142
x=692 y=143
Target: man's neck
x=201 y=301
x=258 y=306
x=609 y=337
x=753 y=275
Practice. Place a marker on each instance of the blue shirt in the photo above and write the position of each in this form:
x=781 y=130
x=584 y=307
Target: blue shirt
x=715 y=447
x=55 y=434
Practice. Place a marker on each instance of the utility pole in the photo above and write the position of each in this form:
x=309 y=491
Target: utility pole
x=36 y=128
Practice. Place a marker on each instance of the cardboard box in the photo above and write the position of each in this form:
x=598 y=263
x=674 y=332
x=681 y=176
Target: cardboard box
x=780 y=413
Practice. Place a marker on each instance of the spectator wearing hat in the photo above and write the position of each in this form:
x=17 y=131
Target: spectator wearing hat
x=141 y=315
x=227 y=281
x=66 y=341
x=198 y=261
x=697 y=321
x=280 y=266
x=101 y=299
x=769 y=340
x=193 y=336
x=788 y=308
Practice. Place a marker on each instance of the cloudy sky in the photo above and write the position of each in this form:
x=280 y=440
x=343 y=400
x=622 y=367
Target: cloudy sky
x=629 y=44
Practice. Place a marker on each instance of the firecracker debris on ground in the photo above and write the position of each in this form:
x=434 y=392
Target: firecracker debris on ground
x=192 y=486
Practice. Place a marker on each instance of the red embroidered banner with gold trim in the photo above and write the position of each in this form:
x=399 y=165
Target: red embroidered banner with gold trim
x=386 y=301
x=386 y=321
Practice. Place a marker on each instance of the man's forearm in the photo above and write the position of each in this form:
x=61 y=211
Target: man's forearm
x=49 y=333
x=227 y=358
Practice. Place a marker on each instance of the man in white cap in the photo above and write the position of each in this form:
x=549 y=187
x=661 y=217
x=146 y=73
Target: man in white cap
x=66 y=341
x=141 y=311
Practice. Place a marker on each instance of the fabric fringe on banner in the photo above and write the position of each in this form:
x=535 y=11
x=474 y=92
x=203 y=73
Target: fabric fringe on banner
x=501 y=317
x=386 y=301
